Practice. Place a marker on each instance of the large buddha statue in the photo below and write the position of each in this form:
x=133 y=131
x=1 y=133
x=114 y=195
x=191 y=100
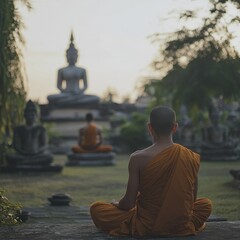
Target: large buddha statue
x=30 y=141
x=72 y=82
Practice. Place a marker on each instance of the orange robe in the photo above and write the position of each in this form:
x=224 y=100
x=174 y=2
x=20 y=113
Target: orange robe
x=165 y=205
x=90 y=141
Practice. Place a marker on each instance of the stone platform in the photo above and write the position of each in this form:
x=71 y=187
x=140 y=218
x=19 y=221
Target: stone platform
x=91 y=159
x=74 y=223
x=31 y=168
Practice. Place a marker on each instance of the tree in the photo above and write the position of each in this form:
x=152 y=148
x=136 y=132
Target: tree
x=12 y=72
x=109 y=95
x=199 y=63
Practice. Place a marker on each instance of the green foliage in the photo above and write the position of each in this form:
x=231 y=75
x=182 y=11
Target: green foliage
x=52 y=133
x=134 y=133
x=8 y=211
x=12 y=72
x=4 y=148
x=199 y=63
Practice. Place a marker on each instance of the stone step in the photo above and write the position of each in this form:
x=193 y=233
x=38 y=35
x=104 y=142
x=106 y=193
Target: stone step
x=58 y=214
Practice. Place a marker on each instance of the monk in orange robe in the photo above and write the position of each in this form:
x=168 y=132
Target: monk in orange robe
x=90 y=138
x=161 y=195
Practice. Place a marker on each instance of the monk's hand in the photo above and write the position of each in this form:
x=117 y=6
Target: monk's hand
x=115 y=203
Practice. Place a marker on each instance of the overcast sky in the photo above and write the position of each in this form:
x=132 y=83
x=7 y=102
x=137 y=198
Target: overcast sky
x=111 y=36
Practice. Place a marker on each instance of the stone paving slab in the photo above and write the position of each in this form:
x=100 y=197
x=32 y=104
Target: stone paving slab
x=71 y=214
x=58 y=214
x=74 y=223
x=213 y=231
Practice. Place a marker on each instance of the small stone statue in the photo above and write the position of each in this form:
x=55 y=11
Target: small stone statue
x=216 y=134
x=184 y=118
x=75 y=81
x=30 y=141
x=185 y=134
x=216 y=144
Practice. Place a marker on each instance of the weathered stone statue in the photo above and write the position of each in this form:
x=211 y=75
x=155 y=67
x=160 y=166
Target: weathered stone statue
x=185 y=134
x=184 y=118
x=216 y=134
x=233 y=121
x=185 y=127
x=72 y=82
x=216 y=143
x=30 y=141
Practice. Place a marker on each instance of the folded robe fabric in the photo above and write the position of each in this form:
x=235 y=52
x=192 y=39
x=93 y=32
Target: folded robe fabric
x=165 y=205
x=90 y=140
x=90 y=135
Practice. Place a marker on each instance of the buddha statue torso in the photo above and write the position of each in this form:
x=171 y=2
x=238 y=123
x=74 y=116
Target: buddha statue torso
x=217 y=145
x=30 y=142
x=216 y=135
x=72 y=75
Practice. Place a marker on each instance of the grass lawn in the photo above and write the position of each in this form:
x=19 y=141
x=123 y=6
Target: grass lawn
x=88 y=184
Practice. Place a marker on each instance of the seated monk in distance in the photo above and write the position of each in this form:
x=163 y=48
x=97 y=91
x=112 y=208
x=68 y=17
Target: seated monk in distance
x=90 y=139
x=161 y=195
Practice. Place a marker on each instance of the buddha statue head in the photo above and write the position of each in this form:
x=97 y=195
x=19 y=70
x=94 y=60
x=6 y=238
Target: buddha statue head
x=72 y=52
x=30 y=113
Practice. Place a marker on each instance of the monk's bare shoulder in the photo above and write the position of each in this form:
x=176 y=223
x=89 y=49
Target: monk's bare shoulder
x=141 y=157
x=142 y=153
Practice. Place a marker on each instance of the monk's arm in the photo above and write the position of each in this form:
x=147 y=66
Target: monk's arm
x=80 y=136
x=129 y=199
x=59 y=81
x=195 y=189
x=100 y=140
x=43 y=141
x=84 y=78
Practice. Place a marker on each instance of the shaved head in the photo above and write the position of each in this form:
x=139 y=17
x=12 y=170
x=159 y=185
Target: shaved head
x=162 y=120
x=89 y=117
